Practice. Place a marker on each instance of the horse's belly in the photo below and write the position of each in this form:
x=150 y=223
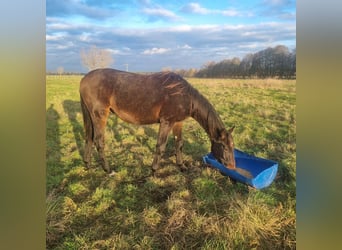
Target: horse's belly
x=139 y=115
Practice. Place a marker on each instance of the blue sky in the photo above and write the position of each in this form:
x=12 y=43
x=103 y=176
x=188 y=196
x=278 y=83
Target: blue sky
x=150 y=35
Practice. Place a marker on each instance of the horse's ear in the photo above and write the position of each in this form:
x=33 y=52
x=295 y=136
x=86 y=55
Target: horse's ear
x=231 y=130
x=221 y=134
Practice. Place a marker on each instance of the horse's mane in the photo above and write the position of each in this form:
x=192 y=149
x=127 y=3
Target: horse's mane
x=201 y=109
x=205 y=114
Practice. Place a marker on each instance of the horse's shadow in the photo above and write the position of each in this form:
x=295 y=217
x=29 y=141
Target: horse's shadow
x=73 y=110
x=114 y=125
x=54 y=165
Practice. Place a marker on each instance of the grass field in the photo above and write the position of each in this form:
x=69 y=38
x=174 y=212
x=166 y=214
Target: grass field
x=196 y=209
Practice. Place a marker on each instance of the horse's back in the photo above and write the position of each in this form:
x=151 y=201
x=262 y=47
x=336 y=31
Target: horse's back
x=136 y=98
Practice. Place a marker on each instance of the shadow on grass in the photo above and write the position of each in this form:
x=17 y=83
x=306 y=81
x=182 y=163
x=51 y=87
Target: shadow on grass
x=116 y=126
x=54 y=168
x=73 y=108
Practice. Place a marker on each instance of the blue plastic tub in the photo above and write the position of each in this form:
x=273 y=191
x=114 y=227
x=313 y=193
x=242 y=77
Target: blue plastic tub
x=263 y=171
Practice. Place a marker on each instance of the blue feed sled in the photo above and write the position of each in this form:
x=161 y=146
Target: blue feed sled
x=263 y=171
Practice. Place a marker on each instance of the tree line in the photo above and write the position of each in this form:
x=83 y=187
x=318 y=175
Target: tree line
x=277 y=62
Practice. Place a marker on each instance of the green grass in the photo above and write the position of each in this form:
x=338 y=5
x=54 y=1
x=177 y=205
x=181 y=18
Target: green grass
x=197 y=209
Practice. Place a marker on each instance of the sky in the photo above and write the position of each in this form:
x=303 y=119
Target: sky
x=148 y=35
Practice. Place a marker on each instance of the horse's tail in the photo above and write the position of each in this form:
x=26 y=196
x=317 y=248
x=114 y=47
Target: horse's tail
x=88 y=122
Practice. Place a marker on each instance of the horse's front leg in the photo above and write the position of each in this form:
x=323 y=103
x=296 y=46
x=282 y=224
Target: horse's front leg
x=177 y=132
x=164 y=129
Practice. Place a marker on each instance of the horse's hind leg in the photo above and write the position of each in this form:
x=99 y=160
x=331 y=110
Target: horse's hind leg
x=87 y=151
x=164 y=130
x=100 y=121
x=88 y=125
x=177 y=132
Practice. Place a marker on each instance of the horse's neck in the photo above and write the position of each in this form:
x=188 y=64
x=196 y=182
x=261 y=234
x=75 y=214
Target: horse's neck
x=205 y=114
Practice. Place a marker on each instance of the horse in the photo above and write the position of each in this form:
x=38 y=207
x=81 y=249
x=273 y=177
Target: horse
x=165 y=98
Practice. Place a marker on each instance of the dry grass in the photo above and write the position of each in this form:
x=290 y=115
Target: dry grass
x=197 y=209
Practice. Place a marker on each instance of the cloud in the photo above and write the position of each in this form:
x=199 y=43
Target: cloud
x=230 y=12
x=85 y=37
x=184 y=47
x=249 y=46
x=282 y=9
x=196 y=8
x=155 y=51
x=155 y=13
x=53 y=23
x=55 y=37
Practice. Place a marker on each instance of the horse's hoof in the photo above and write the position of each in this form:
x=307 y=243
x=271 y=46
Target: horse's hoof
x=87 y=165
x=155 y=168
x=106 y=168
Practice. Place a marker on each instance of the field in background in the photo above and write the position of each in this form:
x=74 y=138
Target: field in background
x=196 y=209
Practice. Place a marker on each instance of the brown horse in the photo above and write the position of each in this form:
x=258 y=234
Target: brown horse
x=164 y=98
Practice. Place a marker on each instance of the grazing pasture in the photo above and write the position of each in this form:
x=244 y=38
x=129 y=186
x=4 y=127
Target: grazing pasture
x=195 y=209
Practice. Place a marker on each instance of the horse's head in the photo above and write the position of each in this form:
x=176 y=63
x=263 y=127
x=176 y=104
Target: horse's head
x=223 y=148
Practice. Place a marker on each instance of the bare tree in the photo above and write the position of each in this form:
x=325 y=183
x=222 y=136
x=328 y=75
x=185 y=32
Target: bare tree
x=96 y=58
x=165 y=69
